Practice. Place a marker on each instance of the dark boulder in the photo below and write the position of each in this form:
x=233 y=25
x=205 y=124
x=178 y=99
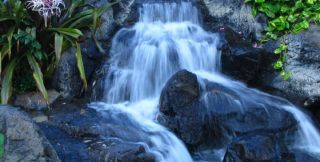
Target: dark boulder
x=23 y=139
x=217 y=113
x=261 y=147
x=241 y=59
x=179 y=113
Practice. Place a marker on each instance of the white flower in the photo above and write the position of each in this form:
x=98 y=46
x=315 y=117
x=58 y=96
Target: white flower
x=46 y=8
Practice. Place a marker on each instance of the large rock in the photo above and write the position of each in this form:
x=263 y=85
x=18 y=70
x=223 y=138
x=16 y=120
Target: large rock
x=263 y=147
x=303 y=58
x=233 y=13
x=67 y=79
x=35 y=100
x=176 y=103
x=23 y=139
x=219 y=113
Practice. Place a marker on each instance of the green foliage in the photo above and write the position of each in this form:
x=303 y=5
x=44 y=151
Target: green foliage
x=285 y=17
x=28 y=45
x=24 y=81
x=1 y=145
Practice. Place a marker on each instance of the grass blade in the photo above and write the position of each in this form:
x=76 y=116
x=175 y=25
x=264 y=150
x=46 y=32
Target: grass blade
x=6 y=89
x=58 y=42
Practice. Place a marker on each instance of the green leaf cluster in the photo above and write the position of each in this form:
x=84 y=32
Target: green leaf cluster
x=285 y=17
x=26 y=43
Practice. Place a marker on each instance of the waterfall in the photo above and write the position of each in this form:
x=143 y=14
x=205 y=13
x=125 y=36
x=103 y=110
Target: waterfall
x=168 y=38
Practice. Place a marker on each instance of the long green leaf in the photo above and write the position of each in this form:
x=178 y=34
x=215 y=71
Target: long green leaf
x=9 y=39
x=74 y=33
x=76 y=17
x=80 y=66
x=38 y=76
x=4 y=51
x=58 y=42
x=82 y=22
x=0 y=64
x=6 y=89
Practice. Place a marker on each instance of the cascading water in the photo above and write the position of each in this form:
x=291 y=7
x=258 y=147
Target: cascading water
x=168 y=38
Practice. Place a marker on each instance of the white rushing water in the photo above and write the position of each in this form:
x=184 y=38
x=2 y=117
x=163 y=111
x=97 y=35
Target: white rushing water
x=168 y=38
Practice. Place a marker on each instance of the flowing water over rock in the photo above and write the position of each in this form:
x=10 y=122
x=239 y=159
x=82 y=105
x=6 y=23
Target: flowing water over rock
x=169 y=38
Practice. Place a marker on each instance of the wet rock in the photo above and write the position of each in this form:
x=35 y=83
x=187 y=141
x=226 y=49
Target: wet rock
x=181 y=90
x=179 y=114
x=218 y=113
x=82 y=134
x=263 y=147
x=35 y=100
x=312 y=104
x=23 y=139
x=117 y=150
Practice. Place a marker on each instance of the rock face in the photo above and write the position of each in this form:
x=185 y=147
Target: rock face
x=303 y=58
x=261 y=147
x=82 y=134
x=23 y=139
x=241 y=59
x=217 y=113
x=66 y=79
x=233 y=13
x=121 y=14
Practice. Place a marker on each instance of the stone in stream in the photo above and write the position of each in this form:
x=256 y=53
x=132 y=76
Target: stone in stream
x=263 y=147
x=216 y=114
x=23 y=138
x=79 y=133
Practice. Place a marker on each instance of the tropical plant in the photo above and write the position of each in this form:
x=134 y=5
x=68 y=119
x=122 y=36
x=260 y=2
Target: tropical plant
x=286 y=17
x=28 y=43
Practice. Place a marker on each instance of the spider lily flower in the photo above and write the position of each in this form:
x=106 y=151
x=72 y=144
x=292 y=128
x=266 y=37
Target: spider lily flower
x=46 y=8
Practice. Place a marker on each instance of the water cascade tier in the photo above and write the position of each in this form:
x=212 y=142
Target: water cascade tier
x=168 y=38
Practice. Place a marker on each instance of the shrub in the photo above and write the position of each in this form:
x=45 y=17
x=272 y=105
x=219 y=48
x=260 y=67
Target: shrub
x=285 y=17
x=32 y=41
